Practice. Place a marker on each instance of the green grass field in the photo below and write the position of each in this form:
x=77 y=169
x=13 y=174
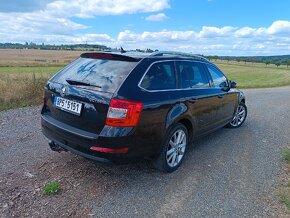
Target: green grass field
x=23 y=86
x=256 y=75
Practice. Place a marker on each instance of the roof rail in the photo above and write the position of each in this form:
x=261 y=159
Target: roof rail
x=162 y=53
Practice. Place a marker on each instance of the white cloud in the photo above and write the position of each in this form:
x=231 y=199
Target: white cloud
x=213 y=40
x=279 y=27
x=53 y=20
x=165 y=36
x=209 y=40
x=90 y=8
x=36 y=22
x=245 y=32
x=156 y=17
x=211 y=32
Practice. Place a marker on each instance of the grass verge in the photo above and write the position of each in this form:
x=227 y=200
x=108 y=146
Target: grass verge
x=286 y=155
x=51 y=188
x=285 y=189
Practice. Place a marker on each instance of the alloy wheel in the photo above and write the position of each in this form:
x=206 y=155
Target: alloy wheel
x=239 y=116
x=176 y=148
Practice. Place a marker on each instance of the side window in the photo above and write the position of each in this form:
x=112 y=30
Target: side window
x=218 y=78
x=192 y=75
x=161 y=76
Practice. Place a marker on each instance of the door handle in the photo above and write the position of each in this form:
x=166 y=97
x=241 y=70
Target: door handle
x=220 y=96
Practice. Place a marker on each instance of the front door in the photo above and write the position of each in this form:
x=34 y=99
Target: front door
x=227 y=99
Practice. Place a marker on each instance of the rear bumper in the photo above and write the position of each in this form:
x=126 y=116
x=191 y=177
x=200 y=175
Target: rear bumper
x=80 y=142
x=85 y=155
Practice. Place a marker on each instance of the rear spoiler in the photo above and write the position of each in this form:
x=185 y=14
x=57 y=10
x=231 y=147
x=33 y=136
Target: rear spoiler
x=109 y=56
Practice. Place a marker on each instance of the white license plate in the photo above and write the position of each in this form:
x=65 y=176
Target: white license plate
x=68 y=105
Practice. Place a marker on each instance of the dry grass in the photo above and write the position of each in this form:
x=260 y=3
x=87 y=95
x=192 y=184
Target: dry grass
x=34 y=57
x=20 y=91
x=24 y=72
x=21 y=88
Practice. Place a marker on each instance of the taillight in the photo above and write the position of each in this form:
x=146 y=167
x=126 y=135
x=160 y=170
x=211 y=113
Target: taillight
x=123 y=113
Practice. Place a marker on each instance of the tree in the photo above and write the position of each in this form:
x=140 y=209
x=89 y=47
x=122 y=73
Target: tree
x=288 y=63
x=148 y=50
x=277 y=64
x=267 y=63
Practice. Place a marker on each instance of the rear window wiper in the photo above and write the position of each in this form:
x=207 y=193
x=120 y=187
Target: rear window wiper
x=80 y=83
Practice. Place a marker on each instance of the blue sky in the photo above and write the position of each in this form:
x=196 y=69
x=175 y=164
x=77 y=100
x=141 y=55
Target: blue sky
x=222 y=27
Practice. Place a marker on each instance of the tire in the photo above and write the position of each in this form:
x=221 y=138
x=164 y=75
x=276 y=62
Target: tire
x=240 y=116
x=173 y=150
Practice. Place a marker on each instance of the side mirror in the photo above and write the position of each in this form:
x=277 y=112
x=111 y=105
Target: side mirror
x=233 y=84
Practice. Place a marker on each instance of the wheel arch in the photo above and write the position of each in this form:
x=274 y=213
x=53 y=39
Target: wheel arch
x=242 y=98
x=188 y=124
x=179 y=114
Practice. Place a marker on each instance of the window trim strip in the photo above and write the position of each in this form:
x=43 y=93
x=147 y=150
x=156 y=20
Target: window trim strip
x=166 y=90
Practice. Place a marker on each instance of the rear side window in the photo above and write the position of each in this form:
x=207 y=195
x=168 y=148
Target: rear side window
x=161 y=76
x=192 y=75
x=218 y=78
x=106 y=74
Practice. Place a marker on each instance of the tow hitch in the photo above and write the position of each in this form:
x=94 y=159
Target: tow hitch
x=55 y=147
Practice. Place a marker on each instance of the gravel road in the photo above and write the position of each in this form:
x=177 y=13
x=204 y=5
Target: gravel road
x=230 y=173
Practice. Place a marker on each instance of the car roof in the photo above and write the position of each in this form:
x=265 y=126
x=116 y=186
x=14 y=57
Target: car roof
x=136 y=56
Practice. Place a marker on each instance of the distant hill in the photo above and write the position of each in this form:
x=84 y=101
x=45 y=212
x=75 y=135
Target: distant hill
x=79 y=47
x=276 y=59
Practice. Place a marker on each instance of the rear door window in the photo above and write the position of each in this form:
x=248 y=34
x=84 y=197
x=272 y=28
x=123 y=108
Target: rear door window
x=105 y=74
x=160 y=76
x=192 y=75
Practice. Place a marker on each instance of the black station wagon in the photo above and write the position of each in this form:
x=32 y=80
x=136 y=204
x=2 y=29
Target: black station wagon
x=113 y=107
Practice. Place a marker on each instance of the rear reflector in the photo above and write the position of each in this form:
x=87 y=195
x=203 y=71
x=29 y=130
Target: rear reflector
x=44 y=101
x=110 y=150
x=123 y=113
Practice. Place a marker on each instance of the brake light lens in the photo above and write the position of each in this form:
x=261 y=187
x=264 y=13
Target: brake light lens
x=123 y=113
x=100 y=55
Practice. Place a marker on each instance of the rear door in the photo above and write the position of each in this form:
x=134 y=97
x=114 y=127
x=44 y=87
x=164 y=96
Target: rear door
x=80 y=94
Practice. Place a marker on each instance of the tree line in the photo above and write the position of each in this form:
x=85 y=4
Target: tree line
x=31 y=45
x=276 y=60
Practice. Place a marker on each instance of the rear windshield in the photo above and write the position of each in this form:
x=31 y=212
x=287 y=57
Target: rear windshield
x=104 y=75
